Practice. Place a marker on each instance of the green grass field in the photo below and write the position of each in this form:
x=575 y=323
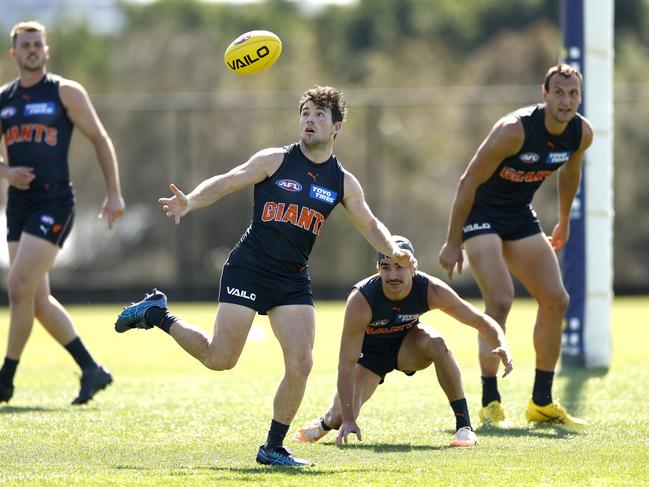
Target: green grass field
x=168 y=421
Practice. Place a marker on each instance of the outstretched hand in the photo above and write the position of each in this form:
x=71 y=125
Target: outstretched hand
x=345 y=429
x=505 y=358
x=177 y=206
x=451 y=257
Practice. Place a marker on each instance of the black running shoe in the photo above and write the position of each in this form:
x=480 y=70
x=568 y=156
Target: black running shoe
x=280 y=455
x=133 y=316
x=92 y=382
x=6 y=392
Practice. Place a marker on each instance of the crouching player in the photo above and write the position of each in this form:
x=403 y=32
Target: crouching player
x=382 y=333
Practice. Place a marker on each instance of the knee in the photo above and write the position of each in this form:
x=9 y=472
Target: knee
x=498 y=307
x=300 y=365
x=558 y=301
x=19 y=290
x=437 y=349
x=220 y=363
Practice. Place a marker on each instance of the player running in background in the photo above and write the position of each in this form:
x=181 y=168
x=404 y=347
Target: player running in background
x=492 y=216
x=37 y=114
x=382 y=333
x=295 y=189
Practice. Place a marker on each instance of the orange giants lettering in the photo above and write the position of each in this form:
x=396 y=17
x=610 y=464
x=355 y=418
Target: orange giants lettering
x=384 y=330
x=306 y=218
x=32 y=132
x=515 y=176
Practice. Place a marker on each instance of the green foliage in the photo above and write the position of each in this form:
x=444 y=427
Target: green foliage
x=169 y=421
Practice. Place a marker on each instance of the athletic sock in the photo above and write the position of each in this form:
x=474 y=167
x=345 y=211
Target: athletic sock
x=324 y=425
x=542 y=392
x=81 y=355
x=489 y=390
x=160 y=317
x=276 y=433
x=461 y=411
x=8 y=371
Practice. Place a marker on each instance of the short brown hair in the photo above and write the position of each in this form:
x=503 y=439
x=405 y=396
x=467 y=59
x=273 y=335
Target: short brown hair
x=326 y=97
x=29 y=26
x=565 y=70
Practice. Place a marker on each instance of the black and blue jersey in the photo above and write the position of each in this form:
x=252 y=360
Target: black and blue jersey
x=37 y=129
x=512 y=185
x=289 y=210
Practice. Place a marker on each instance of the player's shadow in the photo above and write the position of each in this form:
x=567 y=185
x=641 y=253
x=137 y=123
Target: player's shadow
x=387 y=447
x=538 y=431
x=576 y=380
x=27 y=409
x=269 y=470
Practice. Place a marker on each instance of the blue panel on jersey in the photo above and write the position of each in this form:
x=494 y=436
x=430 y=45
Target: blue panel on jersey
x=323 y=194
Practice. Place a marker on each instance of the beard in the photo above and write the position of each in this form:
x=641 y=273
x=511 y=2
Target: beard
x=32 y=64
x=314 y=143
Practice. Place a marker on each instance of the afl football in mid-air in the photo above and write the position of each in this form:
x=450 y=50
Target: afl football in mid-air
x=252 y=52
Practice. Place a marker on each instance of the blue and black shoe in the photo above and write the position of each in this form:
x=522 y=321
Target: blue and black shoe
x=133 y=316
x=92 y=381
x=280 y=455
x=6 y=392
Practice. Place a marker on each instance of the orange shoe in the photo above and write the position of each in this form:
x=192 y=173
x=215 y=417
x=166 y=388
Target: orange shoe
x=464 y=437
x=311 y=432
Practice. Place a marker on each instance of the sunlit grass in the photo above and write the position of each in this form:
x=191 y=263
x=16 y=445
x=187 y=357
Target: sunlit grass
x=168 y=421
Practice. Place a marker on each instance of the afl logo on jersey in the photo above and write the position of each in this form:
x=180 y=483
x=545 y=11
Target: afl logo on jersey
x=529 y=158
x=289 y=185
x=8 y=112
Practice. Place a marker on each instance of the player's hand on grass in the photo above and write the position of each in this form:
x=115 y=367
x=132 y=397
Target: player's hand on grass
x=345 y=429
x=451 y=257
x=177 y=206
x=505 y=358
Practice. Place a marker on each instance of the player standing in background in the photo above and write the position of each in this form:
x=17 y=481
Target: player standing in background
x=382 y=333
x=492 y=216
x=295 y=189
x=37 y=114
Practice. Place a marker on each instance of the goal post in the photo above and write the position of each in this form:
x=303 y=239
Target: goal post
x=588 y=256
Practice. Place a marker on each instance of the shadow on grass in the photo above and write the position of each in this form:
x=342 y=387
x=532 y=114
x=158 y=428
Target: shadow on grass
x=541 y=430
x=387 y=447
x=576 y=380
x=28 y=409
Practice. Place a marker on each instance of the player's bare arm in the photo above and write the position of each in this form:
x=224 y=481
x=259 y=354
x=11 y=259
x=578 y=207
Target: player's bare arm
x=357 y=316
x=374 y=231
x=505 y=139
x=84 y=117
x=568 y=184
x=441 y=296
x=17 y=176
x=260 y=166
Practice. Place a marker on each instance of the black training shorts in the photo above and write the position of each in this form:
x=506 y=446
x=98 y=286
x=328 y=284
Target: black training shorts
x=263 y=290
x=507 y=225
x=381 y=357
x=45 y=212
